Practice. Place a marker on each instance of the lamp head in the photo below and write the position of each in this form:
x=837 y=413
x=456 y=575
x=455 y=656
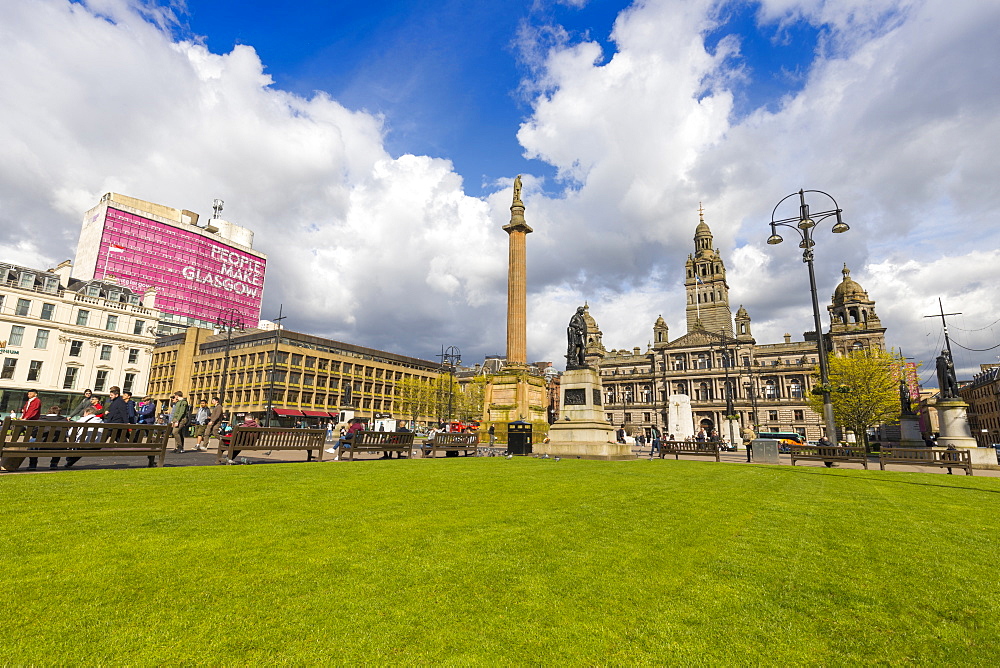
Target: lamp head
x=807 y=243
x=806 y=223
x=840 y=226
x=774 y=239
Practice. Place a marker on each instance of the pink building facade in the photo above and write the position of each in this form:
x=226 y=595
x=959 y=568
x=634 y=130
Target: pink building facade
x=199 y=272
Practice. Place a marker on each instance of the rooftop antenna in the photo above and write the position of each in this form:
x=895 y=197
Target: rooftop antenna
x=217 y=207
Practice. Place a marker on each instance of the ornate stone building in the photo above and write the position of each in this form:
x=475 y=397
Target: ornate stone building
x=768 y=383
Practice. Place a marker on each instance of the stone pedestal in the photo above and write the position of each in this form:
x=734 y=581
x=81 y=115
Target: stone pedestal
x=582 y=430
x=954 y=426
x=731 y=432
x=515 y=395
x=909 y=432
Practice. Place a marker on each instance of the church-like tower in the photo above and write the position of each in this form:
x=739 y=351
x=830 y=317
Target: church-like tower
x=853 y=322
x=705 y=285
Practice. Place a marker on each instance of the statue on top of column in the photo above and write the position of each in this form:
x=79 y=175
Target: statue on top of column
x=517 y=188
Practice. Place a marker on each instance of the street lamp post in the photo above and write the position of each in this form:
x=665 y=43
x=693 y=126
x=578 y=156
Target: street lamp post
x=274 y=362
x=724 y=347
x=228 y=320
x=804 y=224
x=450 y=357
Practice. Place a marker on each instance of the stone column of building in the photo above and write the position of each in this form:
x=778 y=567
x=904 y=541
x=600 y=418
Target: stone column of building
x=517 y=282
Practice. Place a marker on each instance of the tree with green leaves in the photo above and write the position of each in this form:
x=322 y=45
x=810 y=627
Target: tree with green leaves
x=864 y=388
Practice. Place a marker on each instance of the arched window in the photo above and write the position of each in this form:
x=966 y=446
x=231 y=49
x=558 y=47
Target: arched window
x=857 y=345
x=770 y=389
x=795 y=388
x=703 y=392
x=703 y=362
x=680 y=388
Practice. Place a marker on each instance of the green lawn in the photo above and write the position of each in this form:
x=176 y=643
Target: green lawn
x=495 y=561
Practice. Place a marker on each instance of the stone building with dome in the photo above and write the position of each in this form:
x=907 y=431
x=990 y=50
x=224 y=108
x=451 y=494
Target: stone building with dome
x=718 y=356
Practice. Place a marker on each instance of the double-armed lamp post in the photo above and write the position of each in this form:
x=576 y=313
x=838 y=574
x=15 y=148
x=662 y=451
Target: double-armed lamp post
x=804 y=224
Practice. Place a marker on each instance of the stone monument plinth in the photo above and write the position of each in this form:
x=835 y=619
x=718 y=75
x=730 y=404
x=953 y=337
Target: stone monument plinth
x=680 y=421
x=582 y=430
x=909 y=432
x=954 y=430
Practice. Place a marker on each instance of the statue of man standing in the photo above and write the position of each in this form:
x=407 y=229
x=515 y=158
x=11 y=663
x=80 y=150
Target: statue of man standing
x=576 y=334
x=947 y=382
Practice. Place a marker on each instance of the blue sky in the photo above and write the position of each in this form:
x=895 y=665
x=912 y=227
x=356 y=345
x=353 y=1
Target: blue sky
x=448 y=75
x=386 y=135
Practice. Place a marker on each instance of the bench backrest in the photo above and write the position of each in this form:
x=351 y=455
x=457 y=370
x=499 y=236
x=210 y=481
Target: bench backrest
x=829 y=450
x=455 y=439
x=64 y=431
x=277 y=437
x=382 y=438
x=691 y=446
x=926 y=455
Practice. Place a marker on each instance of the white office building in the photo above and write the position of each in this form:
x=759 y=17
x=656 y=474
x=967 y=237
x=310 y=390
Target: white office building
x=60 y=336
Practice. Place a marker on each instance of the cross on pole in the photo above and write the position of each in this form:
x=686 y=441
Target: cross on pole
x=944 y=325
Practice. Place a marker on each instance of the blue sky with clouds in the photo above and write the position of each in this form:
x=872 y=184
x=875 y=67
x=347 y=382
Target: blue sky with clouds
x=387 y=136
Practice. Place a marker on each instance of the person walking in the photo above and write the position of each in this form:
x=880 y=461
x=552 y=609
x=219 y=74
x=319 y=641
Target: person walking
x=214 y=421
x=179 y=418
x=201 y=423
x=655 y=441
x=117 y=412
x=81 y=405
x=95 y=403
x=133 y=412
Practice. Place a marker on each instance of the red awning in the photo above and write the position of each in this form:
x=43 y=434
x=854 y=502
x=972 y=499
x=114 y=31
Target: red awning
x=315 y=413
x=288 y=412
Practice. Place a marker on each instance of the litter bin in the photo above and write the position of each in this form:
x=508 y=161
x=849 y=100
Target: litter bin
x=519 y=438
x=765 y=450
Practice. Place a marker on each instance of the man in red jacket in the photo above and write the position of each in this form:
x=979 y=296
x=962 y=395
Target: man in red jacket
x=32 y=407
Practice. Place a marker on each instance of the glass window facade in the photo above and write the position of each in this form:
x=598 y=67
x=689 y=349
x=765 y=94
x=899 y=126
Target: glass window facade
x=48 y=311
x=23 y=307
x=69 y=380
x=34 y=370
x=9 y=364
x=82 y=317
x=112 y=323
x=16 y=335
x=75 y=348
x=105 y=352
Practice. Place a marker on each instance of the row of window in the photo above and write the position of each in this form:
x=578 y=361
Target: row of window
x=23 y=309
x=26 y=279
x=16 y=337
x=69 y=379
x=772 y=416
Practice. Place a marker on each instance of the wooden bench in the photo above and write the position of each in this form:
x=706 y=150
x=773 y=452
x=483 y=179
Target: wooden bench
x=271 y=438
x=467 y=443
x=62 y=438
x=379 y=441
x=697 y=448
x=829 y=453
x=951 y=459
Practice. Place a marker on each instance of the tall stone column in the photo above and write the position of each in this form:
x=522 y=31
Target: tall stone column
x=517 y=282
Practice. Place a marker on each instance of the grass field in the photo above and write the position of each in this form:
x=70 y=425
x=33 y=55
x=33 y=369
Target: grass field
x=495 y=561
